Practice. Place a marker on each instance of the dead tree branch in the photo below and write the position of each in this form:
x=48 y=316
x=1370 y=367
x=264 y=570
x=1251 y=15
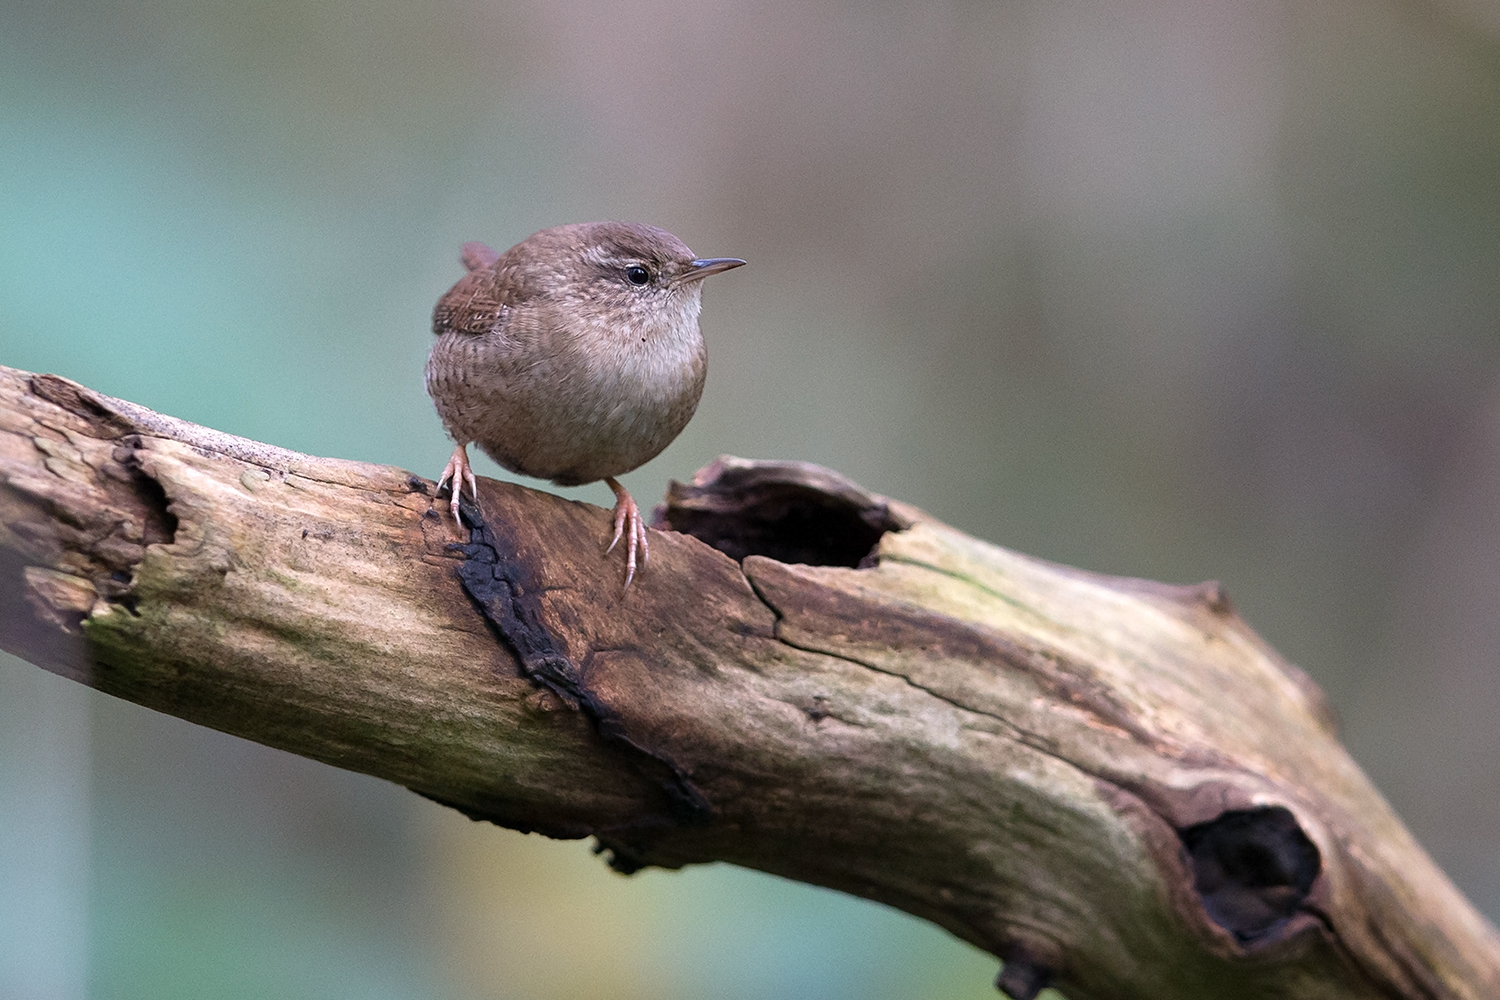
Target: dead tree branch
x=1110 y=784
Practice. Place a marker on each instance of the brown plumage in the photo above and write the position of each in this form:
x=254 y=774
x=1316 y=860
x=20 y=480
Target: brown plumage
x=574 y=356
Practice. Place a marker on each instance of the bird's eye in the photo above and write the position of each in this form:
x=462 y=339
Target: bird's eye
x=637 y=275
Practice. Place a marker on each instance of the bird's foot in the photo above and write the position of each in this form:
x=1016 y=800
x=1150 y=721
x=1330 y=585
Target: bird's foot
x=628 y=524
x=458 y=472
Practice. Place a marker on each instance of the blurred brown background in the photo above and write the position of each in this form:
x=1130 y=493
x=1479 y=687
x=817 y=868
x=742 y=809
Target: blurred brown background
x=1176 y=289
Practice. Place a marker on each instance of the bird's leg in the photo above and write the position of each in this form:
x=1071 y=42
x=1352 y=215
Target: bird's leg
x=459 y=472
x=628 y=523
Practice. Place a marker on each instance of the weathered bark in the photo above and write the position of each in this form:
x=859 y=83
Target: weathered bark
x=1108 y=782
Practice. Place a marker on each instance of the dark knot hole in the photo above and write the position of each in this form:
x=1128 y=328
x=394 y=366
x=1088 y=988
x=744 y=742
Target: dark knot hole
x=1252 y=868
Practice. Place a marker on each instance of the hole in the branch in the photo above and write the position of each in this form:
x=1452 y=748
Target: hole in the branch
x=159 y=523
x=1252 y=868
x=793 y=512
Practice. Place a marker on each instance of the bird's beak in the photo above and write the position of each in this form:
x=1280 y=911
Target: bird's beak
x=697 y=270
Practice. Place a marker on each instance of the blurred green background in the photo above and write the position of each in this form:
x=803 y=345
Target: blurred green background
x=1184 y=289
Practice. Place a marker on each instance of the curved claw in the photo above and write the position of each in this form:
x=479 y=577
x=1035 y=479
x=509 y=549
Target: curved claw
x=457 y=470
x=630 y=526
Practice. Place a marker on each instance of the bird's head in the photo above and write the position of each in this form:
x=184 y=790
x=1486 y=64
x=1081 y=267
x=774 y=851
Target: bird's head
x=628 y=276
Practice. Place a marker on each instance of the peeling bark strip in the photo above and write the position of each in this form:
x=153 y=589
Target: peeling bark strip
x=500 y=584
x=1113 y=785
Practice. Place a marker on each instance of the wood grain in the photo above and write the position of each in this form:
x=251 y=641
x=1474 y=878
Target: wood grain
x=1113 y=785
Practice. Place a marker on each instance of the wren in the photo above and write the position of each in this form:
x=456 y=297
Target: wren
x=574 y=356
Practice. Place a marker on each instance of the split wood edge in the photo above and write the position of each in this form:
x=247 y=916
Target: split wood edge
x=1111 y=784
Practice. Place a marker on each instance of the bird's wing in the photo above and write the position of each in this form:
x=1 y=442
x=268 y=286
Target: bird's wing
x=478 y=303
x=474 y=305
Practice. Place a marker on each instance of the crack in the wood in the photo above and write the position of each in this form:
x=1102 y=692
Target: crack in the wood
x=895 y=622
x=1018 y=734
